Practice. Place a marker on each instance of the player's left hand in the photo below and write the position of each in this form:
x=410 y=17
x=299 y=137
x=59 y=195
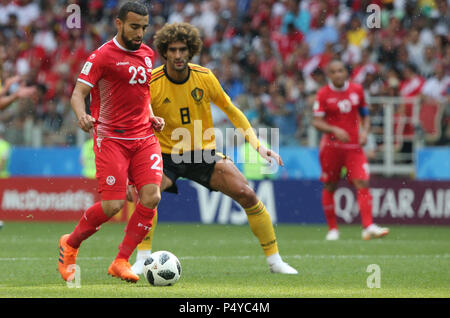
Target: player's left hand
x=269 y=155
x=157 y=123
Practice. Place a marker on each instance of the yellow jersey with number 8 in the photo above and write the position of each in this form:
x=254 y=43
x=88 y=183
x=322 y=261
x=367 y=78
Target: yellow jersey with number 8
x=186 y=109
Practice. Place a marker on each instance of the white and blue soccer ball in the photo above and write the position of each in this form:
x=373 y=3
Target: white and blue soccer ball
x=162 y=268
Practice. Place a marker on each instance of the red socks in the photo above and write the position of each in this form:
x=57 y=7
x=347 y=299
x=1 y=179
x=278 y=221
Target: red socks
x=89 y=224
x=365 y=206
x=328 y=209
x=364 y=199
x=138 y=226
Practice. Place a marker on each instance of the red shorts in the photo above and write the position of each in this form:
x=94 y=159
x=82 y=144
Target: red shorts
x=333 y=158
x=118 y=160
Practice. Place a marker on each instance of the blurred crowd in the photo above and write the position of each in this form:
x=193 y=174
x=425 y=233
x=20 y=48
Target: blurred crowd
x=270 y=57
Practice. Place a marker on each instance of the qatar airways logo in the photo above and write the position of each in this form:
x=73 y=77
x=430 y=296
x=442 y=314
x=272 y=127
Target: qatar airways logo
x=401 y=203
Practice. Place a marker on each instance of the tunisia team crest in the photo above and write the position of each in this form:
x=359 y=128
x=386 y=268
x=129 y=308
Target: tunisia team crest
x=110 y=180
x=197 y=93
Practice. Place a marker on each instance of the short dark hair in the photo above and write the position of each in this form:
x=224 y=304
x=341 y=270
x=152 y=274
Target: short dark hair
x=335 y=60
x=132 y=6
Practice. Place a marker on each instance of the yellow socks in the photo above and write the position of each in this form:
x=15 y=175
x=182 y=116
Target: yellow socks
x=262 y=227
x=258 y=219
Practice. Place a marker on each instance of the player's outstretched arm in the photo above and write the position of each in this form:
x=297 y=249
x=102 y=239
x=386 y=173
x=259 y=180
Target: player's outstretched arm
x=85 y=121
x=239 y=121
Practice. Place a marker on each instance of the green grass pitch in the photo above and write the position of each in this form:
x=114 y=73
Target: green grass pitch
x=224 y=261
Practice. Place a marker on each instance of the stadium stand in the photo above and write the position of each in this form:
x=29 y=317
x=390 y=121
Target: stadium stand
x=268 y=55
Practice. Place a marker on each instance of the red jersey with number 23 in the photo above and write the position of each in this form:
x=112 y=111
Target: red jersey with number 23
x=340 y=107
x=120 y=96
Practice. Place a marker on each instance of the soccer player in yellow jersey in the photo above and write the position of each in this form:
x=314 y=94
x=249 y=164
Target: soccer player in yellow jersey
x=181 y=93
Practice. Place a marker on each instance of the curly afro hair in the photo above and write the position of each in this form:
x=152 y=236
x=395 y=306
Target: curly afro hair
x=178 y=32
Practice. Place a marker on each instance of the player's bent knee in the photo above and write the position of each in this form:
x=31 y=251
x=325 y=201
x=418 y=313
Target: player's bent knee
x=246 y=197
x=150 y=195
x=150 y=200
x=112 y=207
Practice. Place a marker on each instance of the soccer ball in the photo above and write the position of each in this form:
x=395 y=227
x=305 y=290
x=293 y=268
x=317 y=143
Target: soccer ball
x=162 y=268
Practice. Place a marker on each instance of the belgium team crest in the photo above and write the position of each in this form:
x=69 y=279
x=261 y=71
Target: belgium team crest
x=197 y=93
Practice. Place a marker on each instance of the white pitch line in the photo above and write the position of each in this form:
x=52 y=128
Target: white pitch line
x=243 y=257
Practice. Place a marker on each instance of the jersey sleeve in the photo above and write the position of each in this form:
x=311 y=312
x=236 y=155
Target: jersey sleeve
x=319 y=105
x=234 y=114
x=362 y=107
x=362 y=97
x=150 y=63
x=92 y=70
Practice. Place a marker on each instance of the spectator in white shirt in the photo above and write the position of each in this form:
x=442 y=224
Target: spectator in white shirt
x=436 y=87
x=6 y=8
x=177 y=15
x=28 y=12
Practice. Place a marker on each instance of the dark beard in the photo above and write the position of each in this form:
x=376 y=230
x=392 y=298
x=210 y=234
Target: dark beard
x=130 y=45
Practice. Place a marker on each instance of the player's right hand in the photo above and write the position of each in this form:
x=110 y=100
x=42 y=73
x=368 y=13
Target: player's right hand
x=341 y=134
x=86 y=122
x=157 y=123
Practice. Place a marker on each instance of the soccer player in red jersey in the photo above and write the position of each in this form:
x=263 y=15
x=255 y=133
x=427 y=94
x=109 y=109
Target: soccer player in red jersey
x=117 y=76
x=340 y=111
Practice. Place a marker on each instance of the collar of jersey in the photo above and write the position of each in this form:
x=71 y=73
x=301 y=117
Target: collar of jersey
x=336 y=89
x=174 y=81
x=120 y=46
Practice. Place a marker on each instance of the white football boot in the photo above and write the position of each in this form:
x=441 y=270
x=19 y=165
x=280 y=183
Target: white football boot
x=277 y=265
x=374 y=231
x=332 y=235
x=282 y=268
x=138 y=266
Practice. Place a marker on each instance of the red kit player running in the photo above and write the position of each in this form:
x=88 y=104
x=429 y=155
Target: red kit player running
x=339 y=112
x=117 y=76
